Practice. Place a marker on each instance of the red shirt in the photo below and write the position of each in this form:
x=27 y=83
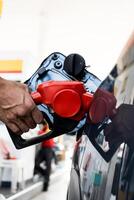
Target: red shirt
x=48 y=143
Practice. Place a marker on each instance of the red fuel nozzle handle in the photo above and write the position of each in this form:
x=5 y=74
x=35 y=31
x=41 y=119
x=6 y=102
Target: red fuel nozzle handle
x=69 y=99
x=36 y=97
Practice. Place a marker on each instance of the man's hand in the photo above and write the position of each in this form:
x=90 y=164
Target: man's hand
x=17 y=109
x=121 y=129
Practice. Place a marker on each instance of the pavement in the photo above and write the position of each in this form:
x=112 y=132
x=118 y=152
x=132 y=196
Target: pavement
x=58 y=183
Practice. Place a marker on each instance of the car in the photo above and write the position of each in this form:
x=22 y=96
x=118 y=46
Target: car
x=97 y=173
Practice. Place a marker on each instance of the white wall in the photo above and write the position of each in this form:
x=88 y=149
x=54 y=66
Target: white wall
x=19 y=32
x=96 y=29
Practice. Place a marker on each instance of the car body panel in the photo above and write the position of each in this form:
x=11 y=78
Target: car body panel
x=96 y=176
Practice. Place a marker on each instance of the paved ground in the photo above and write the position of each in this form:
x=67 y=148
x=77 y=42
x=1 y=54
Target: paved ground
x=58 y=185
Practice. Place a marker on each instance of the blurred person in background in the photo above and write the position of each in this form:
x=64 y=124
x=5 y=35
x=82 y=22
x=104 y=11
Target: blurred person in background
x=45 y=154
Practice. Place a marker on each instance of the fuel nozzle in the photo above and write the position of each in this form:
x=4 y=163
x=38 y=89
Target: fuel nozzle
x=69 y=99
